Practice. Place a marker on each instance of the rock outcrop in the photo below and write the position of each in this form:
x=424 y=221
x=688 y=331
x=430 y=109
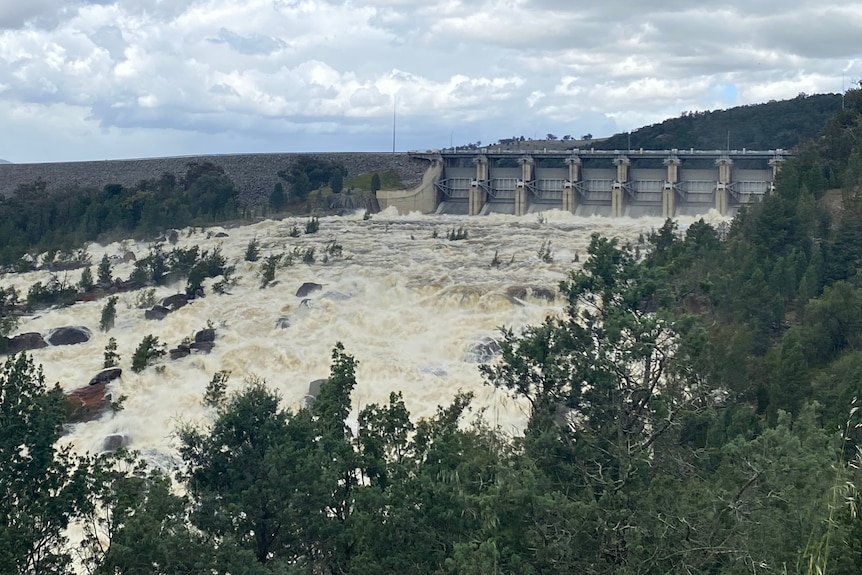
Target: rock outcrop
x=88 y=403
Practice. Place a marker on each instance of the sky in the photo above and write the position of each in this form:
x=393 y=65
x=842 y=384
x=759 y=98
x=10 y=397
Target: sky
x=103 y=79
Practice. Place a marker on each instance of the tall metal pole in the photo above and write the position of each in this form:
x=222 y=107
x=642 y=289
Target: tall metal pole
x=394 y=106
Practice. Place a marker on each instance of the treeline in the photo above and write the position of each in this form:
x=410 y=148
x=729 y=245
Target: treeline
x=33 y=219
x=782 y=124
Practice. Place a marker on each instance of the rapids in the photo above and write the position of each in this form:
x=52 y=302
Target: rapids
x=409 y=307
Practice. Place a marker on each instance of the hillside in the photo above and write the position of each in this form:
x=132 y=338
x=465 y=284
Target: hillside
x=776 y=124
x=2 y=161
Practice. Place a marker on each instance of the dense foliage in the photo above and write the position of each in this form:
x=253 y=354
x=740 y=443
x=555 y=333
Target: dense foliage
x=34 y=219
x=783 y=124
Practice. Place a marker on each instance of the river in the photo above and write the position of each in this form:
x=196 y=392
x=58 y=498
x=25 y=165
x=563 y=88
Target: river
x=407 y=305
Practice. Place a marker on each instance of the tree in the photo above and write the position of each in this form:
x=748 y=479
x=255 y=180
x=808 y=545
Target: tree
x=148 y=350
x=42 y=487
x=277 y=198
x=336 y=182
x=375 y=182
x=86 y=283
x=109 y=314
x=111 y=357
x=104 y=271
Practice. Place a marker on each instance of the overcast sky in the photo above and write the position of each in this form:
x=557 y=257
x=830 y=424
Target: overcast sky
x=102 y=79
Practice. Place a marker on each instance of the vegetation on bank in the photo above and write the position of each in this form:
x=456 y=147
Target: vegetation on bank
x=783 y=124
x=694 y=409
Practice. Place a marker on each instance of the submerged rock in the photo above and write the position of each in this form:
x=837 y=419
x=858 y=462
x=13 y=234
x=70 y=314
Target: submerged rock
x=308 y=288
x=313 y=391
x=158 y=312
x=203 y=335
x=88 y=403
x=175 y=302
x=25 y=342
x=69 y=335
x=483 y=351
x=106 y=375
x=518 y=294
x=114 y=442
x=282 y=323
x=179 y=352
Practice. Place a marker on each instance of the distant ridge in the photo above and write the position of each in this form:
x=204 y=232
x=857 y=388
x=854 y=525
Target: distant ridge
x=5 y=161
x=775 y=124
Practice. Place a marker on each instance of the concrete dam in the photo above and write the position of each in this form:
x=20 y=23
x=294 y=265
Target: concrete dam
x=634 y=183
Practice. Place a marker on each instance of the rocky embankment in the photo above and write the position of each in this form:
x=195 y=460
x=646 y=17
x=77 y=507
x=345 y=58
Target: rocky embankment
x=254 y=174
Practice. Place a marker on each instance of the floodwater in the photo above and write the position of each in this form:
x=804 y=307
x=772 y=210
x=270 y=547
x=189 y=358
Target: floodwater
x=410 y=307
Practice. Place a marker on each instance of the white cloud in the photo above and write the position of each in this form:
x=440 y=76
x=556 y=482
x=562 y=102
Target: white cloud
x=113 y=77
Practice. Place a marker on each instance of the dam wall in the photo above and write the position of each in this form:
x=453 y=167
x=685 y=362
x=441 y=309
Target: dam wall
x=255 y=175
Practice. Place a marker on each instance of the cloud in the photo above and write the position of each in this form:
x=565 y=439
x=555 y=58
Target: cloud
x=270 y=73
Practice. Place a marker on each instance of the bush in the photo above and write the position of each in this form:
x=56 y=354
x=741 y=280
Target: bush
x=312 y=225
x=267 y=269
x=148 y=350
x=252 y=251
x=109 y=314
x=112 y=358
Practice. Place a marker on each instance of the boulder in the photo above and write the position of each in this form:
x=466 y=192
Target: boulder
x=106 y=375
x=518 y=294
x=483 y=351
x=88 y=403
x=129 y=257
x=175 y=301
x=282 y=323
x=308 y=288
x=222 y=235
x=179 y=352
x=202 y=346
x=313 y=391
x=25 y=342
x=114 y=442
x=69 y=335
x=158 y=312
x=203 y=335
x=335 y=296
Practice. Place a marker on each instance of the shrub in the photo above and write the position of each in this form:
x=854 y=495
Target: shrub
x=112 y=358
x=252 y=250
x=109 y=314
x=312 y=225
x=148 y=350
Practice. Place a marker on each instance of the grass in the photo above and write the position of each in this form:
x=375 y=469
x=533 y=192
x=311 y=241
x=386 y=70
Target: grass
x=389 y=180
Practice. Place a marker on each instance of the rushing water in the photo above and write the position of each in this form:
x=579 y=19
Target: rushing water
x=408 y=306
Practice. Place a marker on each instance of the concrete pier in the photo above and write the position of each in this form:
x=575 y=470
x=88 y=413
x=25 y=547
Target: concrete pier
x=721 y=190
x=668 y=197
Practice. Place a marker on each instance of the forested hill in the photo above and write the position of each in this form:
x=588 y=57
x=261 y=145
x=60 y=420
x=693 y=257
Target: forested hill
x=783 y=124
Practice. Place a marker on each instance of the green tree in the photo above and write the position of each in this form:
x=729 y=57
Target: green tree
x=147 y=351
x=112 y=358
x=375 y=182
x=109 y=314
x=86 y=283
x=336 y=182
x=277 y=198
x=42 y=487
x=104 y=271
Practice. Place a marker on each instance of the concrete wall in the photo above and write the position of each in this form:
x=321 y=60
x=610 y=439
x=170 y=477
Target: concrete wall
x=254 y=174
x=424 y=198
